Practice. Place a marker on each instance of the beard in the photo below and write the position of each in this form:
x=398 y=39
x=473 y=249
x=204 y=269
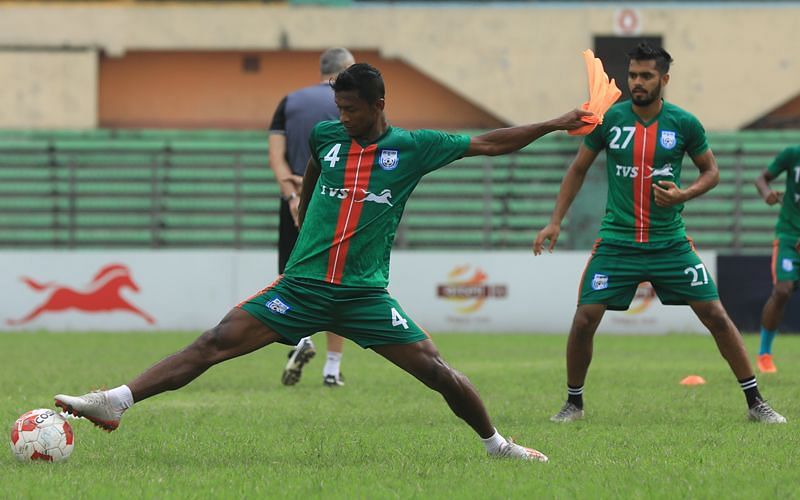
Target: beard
x=648 y=98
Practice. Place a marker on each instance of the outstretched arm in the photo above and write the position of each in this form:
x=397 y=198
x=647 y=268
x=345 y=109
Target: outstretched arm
x=667 y=193
x=767 y=193
x=506 y=140
x=570 y=185
x=309 y=182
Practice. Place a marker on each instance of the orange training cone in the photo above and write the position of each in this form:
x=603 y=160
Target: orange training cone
x=693 y=380
x=602 y=94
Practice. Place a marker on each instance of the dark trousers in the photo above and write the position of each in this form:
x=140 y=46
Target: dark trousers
x=287 y=236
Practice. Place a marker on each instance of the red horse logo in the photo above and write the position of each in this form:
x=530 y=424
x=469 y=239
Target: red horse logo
x=101 y=295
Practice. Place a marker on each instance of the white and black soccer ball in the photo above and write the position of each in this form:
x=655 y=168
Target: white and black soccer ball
x=42 y=435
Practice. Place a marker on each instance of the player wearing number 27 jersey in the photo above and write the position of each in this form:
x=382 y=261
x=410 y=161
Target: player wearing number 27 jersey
x=639 y=154
x=642 y=236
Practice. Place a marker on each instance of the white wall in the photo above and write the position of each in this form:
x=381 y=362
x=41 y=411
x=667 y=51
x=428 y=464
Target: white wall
x=192 y=290
x=48 y=89
x=522 y=63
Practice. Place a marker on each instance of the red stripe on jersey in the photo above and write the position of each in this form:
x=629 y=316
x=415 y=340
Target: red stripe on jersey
x=644 y=151
x=356 y=181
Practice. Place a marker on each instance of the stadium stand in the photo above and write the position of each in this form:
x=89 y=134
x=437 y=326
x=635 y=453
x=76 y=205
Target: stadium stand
x=212 y=188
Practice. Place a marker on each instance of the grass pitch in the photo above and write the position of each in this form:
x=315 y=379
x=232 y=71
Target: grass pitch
x=236 y=432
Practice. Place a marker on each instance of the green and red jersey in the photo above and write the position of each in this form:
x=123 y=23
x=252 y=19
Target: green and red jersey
x=352 y=217
x=788 y=225
x=638 y=154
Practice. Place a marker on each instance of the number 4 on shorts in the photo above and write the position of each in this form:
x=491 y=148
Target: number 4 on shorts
x=398 y=320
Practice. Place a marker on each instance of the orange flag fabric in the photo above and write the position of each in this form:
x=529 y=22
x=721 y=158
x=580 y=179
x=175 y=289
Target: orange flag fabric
x=602 y=94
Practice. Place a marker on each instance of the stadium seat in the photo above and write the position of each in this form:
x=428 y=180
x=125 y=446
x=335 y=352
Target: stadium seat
x=179 y=188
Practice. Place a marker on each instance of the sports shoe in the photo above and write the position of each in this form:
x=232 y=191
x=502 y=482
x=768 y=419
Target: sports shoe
x=333 y=380
x=298 y=357
x=94 y=407
x=568 y=413
x=765 y=364
x=763 y=412
x=512 y=450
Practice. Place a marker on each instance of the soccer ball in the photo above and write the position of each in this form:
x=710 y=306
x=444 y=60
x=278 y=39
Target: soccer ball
x=42 y=435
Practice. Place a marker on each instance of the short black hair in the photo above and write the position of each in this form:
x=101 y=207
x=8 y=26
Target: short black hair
x=364 y=78
x=646 y=52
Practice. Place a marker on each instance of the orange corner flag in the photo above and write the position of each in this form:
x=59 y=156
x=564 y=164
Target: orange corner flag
x=693 y=380
x=602 y=94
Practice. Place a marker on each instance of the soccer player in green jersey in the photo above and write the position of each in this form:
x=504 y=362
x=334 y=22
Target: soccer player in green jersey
x=642 y=236
x=359 y=177
x=785 y=249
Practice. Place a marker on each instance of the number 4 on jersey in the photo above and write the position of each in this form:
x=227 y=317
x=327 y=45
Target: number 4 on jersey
x=398 y=320
x=333 y=155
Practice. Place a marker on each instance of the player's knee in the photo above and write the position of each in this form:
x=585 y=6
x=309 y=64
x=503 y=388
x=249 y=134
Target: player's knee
x=207 y=346
x=584 y=324
x=439 y=375
x=716 y=318
x=782 y=292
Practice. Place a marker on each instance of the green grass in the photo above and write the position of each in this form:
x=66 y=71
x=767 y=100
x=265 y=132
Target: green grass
x=236 y=432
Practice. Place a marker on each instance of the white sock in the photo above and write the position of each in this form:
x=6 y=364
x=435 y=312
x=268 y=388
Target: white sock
x=332 y=363
x=120 y=398
x=494 y=442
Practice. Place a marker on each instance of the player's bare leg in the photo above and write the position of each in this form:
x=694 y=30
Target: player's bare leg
x=726 y=335
x=729 y=342
x=580 y=346
x=771 y=317
x=422 y=360
x=773 y=311
x=237 y=334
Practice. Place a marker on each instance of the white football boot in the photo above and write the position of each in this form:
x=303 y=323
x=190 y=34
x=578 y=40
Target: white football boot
x=333 y=380
x=763 y=412
x=94 y=407
x=298 y=357
x=512 y=450
x=568 y=413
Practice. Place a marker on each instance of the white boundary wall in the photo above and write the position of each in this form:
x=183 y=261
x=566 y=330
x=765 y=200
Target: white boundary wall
x=192 y=290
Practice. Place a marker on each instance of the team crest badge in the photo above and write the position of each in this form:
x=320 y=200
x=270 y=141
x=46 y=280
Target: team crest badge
x=600 y=282
x=389 y=159
x=788 y=265
x=278 y=306
x=668 y=140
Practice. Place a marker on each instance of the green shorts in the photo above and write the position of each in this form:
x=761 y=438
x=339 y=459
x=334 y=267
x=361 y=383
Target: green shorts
x=299 y=307
x=785 y=261
x=615 y=270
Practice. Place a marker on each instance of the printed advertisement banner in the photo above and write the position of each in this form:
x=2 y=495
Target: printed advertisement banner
x=518 y=292
x=192 y=290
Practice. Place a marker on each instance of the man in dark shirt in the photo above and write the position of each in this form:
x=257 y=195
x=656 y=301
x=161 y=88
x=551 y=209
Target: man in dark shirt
x=291 y=126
